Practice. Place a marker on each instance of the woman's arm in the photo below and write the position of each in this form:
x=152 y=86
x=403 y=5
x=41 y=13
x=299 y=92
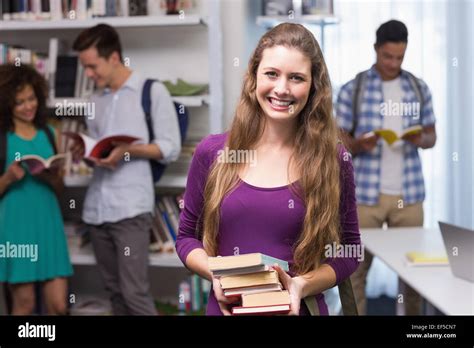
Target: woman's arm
x=188 y=245
x=196 y=261
x=334 y=269
x=346 y=264
x=5 y=182
x=317 y=281
x=311 y=283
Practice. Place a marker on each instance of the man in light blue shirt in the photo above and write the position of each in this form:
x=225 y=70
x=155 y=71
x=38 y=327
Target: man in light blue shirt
x=120 y=199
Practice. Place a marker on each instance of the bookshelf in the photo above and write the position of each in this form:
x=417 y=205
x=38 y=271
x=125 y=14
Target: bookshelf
x=84 y=256
x=271 y=21
x=321 y=21
x=166 y=181
x=161 y=47
x=188 y=101
x=118 y=22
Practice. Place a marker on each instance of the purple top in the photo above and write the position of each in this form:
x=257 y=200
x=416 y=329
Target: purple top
x=265 y=220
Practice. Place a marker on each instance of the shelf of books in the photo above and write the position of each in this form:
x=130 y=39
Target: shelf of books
x=271 y=21
x=163 y=235
x=84 y=256
x=118 y=22
x=166 y=181
x=187 y=101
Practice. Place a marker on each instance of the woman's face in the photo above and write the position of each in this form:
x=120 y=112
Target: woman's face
x=26 y=104
x=283 y=82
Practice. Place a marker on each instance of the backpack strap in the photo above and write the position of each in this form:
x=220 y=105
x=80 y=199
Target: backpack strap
x=312 y=305
x=357 y=99
x=51 y=138
x=146 y=105
x=346 y=295
x=415 y=84
x=3 y=151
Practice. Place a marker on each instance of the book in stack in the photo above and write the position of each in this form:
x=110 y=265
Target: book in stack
x=252 y=278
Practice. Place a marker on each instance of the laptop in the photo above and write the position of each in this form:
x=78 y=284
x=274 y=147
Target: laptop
x=459 y=243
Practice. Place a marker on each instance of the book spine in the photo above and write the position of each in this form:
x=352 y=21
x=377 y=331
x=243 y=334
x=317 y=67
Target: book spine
x=168 y=223
x=81 y=9
x=206 y=289
x=184 y=297
x=5 y=12
x=196 y=293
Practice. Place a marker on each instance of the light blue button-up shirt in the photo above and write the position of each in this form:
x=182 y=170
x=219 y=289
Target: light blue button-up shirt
x=128 y=191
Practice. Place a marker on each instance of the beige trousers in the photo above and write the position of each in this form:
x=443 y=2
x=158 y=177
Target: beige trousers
x=391 y=210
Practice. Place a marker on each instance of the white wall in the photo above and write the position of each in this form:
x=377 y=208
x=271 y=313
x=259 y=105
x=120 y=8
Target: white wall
x=233 y=13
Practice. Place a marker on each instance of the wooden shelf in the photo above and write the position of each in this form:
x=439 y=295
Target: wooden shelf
x=117 y=22
x=166 y=181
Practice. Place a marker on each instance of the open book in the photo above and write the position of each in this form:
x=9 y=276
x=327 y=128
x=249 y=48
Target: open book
x=390 y=136
x=36 y=164
x=96 y=149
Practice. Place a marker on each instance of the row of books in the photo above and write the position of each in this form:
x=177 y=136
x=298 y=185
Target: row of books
x=193 y=294
x=19 y=55
x=251 y=278
x=164 y=227
x=166 y=223
x=84 y=9
x=65 y=75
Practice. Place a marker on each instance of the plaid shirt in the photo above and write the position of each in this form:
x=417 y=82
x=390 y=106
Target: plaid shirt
x=367 y=164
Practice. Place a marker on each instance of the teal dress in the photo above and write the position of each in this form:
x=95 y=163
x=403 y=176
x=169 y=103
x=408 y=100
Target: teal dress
x=33 y=244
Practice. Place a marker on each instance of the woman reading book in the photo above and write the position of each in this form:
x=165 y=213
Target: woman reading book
x=32 y=234
x=296 y=198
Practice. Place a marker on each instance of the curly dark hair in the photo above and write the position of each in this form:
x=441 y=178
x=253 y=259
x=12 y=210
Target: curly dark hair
x=12 y=80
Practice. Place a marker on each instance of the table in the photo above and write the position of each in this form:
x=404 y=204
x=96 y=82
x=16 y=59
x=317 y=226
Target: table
x=436 y=284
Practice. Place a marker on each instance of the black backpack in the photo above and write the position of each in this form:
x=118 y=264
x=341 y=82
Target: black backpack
x=3 y=146
x=357 y=96
x=158 y=168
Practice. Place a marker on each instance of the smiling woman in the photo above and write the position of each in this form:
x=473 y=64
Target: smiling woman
x=31 y=225
x=283 y=93
x=297 y=197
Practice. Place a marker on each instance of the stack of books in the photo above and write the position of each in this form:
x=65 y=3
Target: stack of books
x=251 y=277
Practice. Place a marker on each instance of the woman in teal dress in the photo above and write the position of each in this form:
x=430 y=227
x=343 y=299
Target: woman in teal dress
x=33 y=245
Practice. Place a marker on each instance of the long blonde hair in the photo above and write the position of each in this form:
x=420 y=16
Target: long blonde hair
x=315 y=143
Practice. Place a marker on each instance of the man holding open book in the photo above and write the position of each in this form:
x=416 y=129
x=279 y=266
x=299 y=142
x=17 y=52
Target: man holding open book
x=386 y=115
x=120 y=198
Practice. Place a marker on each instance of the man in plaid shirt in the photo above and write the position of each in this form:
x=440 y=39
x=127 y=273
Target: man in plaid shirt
x=389 y=179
